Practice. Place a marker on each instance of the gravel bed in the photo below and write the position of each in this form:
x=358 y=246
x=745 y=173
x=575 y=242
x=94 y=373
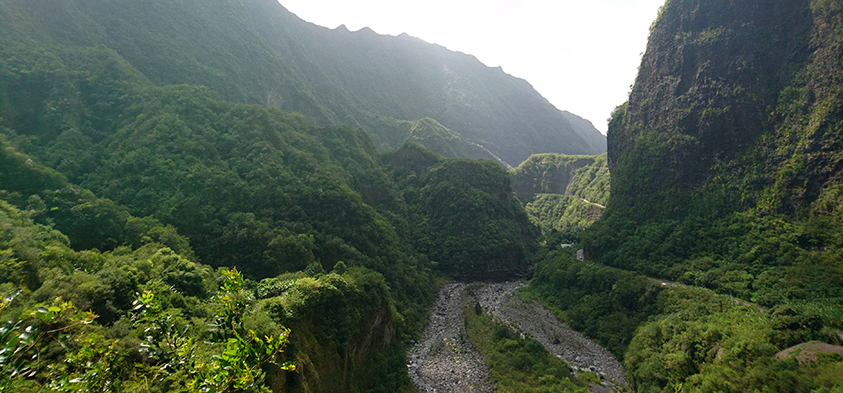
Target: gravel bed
x=532 y=318
x=444 y=359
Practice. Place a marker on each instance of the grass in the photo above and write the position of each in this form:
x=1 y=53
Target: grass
x=517 y=363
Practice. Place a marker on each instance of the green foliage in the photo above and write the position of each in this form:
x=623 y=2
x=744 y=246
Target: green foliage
x=115 y=182
x=706 y=342
x=260 y=53
x=466 y=217
x=88 y=221
x=677 y=338
x=251 y=187
x=138 y=169
x=558 y=213
x=733 y=217
x=756 y=218
x=591 y=182
x=436 y=137
x=342 y=318
x=764 y=258
x=58 y=348
x=604 y=303
x=555 y=173
x=243 y=353
x=181 y=337
x=563 y=193
x=518 y=364
x=28 y=344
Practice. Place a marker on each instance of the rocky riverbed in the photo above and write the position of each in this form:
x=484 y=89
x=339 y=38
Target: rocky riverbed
x=532 y=318
x=445 y=361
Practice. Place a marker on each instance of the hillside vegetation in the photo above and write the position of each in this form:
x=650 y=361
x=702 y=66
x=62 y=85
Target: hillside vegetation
x=676 y=338
x=564 y=194
x=257 y=52
x=743 y=217
x=216 y=196
x=725 y=168
x=135 y=200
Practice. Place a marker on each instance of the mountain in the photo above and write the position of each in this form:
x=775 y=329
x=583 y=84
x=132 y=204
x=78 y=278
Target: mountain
x=736 y=112
x=585 y=177
x=136 y=200
x=748 y=91
x=722 y=241
x=255 y=51
x=564 y=194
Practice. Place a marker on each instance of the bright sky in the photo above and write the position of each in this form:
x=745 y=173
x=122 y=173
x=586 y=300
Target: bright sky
x=582 y=55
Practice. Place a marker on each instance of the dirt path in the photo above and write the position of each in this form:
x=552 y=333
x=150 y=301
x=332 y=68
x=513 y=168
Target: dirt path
x=593 y=203
x=564 y=343
x=444 y=360
x=671 y=284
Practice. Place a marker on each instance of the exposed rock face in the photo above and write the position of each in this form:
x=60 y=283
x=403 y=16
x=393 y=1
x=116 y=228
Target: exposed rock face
x=806 y=353
x=546 y=173
x=711 y=69
x=742 y=91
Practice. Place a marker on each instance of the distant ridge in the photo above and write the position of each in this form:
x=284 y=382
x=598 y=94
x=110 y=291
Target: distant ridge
x=256 y=51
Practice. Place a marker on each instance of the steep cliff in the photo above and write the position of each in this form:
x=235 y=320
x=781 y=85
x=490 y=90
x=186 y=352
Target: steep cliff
x=726 y=172
x=726 y=161
x=741 y=98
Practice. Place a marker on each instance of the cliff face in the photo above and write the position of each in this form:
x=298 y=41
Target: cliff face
x=744 y=96
x=735 y=122
x=547 y=174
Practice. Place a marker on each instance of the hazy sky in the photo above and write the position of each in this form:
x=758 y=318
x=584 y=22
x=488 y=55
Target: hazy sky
x=582 y=55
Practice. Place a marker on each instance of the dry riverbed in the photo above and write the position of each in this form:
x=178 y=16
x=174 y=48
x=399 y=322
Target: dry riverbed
x=445 y=361
x=532 y=318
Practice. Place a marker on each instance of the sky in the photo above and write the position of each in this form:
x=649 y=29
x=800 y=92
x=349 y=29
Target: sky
x=582 y=55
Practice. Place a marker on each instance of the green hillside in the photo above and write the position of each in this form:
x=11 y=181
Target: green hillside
x=114 y=187
x=725 y=170
x=564 y=194
x=255 y=51
x=756 y=206
x=218 y=196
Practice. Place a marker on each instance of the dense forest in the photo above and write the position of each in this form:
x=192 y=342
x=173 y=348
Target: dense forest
x=255 y=51
x=128 y=205
x=718 y=263
x=563 y=194
x=217 y=196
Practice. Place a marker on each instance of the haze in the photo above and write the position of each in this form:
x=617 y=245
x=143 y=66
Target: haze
x=582 y=56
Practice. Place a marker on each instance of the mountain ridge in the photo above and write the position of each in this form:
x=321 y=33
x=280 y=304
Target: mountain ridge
x=256 y=51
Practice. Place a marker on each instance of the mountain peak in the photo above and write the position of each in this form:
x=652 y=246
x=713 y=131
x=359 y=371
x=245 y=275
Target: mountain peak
x=366 y=30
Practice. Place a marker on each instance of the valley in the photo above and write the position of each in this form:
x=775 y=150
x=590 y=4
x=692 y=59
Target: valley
x=218 y=196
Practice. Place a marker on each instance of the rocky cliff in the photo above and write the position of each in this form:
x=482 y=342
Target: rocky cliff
x=744 y=97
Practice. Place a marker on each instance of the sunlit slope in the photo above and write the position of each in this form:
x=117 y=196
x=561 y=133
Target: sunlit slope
x=255 y=51
x=563 y=194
